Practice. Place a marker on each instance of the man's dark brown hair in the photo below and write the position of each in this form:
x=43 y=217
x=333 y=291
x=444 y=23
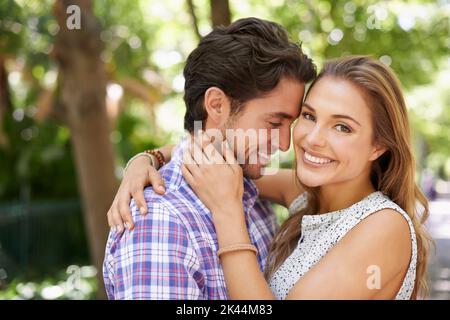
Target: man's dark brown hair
x=245 y=60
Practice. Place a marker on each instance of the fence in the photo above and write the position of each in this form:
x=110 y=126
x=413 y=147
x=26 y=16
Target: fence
x=40 y=238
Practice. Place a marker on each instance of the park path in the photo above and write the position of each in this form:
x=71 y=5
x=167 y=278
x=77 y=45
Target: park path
x=439 y=269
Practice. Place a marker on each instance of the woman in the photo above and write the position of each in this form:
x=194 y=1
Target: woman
x=356 y=230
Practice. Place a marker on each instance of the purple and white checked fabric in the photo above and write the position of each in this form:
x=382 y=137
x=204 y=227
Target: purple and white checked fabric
x=172 y=251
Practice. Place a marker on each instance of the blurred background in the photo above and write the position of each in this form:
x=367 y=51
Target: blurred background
x=75 y=105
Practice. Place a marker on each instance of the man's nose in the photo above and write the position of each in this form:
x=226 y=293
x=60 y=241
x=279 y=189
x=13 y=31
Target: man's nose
x=285 y=139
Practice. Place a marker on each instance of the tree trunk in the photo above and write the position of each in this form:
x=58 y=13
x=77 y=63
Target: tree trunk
x=220 y=13
x=82 y=95
x=5 y=101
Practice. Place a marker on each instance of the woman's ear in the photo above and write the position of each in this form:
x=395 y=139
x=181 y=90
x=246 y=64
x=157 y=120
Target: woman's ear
x=217 y=105
x=377 y=152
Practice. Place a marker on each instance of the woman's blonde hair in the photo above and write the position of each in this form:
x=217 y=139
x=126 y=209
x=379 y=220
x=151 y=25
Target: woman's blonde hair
x=392 y=173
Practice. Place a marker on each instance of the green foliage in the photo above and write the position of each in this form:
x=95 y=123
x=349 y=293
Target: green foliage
x=413 y=36
x=73 y=283
x=430 y=117
x=37 y=153
x=11 y=31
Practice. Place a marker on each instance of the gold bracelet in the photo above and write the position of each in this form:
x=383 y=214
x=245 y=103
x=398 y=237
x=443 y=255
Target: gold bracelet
x=237 y=247
x=142 y=154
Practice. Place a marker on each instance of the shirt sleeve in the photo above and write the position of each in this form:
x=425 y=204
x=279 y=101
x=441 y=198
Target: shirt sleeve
x=108 y=268
x=156 y=260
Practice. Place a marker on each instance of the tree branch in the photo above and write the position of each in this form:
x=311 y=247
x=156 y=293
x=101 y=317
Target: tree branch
x=191 y=7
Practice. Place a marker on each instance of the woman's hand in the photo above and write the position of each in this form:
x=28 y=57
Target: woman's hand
x=218 y=182
x=216 y=178
x=138 y=175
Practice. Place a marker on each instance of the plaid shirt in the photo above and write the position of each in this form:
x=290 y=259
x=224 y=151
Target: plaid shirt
x=172 y=251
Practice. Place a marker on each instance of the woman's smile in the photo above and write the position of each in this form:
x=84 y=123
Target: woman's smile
x=315 y=160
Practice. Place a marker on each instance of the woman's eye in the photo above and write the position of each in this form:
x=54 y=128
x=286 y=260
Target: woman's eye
x=308 y=116
x=343 y=128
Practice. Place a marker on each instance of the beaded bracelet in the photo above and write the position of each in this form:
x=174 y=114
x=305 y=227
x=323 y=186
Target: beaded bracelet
x=158 y=155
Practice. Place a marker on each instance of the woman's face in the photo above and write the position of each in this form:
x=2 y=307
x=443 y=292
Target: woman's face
x=333 y=136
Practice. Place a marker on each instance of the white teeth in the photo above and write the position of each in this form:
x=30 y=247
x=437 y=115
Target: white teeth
x=316 y=159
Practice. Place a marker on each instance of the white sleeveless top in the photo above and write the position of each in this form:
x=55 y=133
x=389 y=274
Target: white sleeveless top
x=320 y=233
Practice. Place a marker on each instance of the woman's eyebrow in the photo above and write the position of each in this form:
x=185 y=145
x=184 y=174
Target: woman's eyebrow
x=308 y=106
x=340 y=116
x=343 y=116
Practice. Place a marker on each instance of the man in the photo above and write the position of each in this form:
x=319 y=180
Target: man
x=247 y=76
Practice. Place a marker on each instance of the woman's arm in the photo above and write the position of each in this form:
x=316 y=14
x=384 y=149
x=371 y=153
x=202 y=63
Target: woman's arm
x=220 y=187
x=346 y=272
x=139 y=174
x=281 y=188
x=369 y=262
x=365 y=264
x=243 y=276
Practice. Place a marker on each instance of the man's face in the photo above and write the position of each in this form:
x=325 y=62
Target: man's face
x=275 y=110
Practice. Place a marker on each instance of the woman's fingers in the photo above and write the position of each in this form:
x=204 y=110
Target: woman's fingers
x=209 y=151
x=137 y=177
x=187 y=175
x=228 y=154
x=127 y=219
x=109 y=217
x=206 y=146
x=190 y=163
x=198 y=155
x=141 y=204
x=215 y=184
x=117 y=220
x=155 y=180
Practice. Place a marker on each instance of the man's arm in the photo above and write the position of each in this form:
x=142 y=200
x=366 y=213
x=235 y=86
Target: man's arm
x=156 y=259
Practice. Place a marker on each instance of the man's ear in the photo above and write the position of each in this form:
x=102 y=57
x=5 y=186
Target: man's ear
x=217 y=105
x=377 y=152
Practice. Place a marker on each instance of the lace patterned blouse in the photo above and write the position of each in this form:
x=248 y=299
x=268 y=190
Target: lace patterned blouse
x=320 y=233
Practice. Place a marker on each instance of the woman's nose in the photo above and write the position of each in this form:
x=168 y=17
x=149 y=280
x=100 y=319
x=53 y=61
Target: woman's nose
x=316 y=137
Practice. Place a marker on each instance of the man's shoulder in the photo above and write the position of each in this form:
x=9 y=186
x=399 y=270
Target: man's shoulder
x=174 y=185
x=176 y=198
x=175 y=206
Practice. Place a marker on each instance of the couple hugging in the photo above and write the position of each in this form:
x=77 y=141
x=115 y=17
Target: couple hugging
x=200 y=223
